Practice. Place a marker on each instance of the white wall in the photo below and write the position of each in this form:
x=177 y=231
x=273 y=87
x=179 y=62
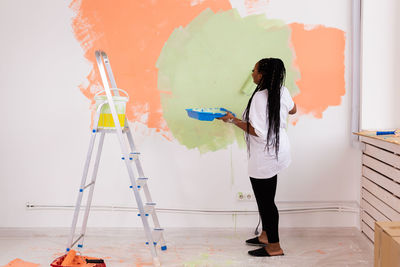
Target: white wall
x=381 y=65
x=45 y=134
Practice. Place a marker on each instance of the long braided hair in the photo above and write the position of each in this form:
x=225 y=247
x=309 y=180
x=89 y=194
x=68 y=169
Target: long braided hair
x=273 y=77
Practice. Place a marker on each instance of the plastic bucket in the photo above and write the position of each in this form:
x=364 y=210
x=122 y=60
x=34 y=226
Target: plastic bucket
x=106 y=119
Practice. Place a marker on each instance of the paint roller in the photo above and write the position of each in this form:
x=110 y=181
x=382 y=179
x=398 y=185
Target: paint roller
x=68 y=260
x=248 y=86
x=72 y=259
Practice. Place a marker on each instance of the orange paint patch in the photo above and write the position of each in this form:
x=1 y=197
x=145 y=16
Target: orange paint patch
x=21 y=263
x=320 y=60
x=321 y=252
x=133 y=34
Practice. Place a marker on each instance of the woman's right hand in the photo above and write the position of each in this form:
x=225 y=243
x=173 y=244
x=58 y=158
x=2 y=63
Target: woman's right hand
x=227 y=118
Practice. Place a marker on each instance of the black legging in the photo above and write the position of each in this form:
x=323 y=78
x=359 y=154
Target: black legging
x=264 y=191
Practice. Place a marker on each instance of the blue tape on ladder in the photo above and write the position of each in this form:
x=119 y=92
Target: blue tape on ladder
x=123 y=158
x=68 y=249
x=147 y=243
x=147 y=214
x=155 y=243
x=80 y=246
x=164 y=248
x=80 y=190
x=138 y=186
x=130 y=158
x=94 y=130
x=138 y=214
x=130 y=186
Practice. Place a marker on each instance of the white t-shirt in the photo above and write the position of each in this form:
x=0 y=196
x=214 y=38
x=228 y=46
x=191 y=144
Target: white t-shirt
x=263 y=162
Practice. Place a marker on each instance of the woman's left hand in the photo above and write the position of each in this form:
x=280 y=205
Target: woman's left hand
x=227 y=118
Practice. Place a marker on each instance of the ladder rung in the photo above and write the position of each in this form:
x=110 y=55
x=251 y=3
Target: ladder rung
x=157 y=234
x=79 y=238
x=150 y=207
x=141 y=181
x=100 y=130
x=134 y=155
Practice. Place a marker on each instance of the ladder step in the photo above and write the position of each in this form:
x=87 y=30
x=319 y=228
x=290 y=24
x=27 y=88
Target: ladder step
x=157 y=234
x=141 y=181
x=149 y=207
x=112 y=130
x=134 y=155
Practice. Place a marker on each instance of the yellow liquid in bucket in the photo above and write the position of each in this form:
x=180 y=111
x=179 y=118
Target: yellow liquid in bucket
x=106 y=120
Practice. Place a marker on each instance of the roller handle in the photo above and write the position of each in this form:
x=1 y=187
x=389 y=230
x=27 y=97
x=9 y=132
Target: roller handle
x=94 y=261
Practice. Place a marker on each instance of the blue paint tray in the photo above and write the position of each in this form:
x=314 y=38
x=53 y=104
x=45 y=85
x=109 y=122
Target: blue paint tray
x=206 y=114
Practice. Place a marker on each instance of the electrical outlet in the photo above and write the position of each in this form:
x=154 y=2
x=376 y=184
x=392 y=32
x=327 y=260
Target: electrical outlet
x=245 y=196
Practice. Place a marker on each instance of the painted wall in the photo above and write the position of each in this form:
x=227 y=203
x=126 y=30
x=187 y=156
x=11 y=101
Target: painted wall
x=47 y=82
x=381 y=64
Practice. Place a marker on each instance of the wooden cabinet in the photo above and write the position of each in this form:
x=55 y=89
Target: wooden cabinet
x=380 y=181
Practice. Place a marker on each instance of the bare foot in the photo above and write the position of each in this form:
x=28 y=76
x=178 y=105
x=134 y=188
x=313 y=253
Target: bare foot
x=263 y=237
x=274 y=249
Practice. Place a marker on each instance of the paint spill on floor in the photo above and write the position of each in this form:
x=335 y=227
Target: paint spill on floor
x=139 y=262
x=202 y=260
x=20 y=263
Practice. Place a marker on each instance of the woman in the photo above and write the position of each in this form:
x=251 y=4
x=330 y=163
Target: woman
x=264 y=122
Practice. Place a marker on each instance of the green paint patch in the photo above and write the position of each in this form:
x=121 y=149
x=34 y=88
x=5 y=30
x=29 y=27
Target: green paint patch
x=208 y=64
x=203 y=260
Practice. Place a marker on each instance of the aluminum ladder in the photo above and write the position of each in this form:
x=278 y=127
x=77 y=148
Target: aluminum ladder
x=131 y=158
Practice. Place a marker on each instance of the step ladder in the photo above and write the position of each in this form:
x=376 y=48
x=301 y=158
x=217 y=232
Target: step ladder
x=131 y=158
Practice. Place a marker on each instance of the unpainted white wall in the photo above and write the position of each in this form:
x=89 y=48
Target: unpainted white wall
x=380 y=65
